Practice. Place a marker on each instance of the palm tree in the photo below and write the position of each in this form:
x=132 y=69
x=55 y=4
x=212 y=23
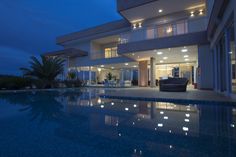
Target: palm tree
x=45 y=70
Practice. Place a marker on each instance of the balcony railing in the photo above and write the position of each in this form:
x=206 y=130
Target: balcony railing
x=153 y=32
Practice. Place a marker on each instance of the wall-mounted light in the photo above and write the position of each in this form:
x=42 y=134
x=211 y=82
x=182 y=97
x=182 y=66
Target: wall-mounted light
x=200 y=12
x=134 y=26
x=192 y=14
x=140 y=24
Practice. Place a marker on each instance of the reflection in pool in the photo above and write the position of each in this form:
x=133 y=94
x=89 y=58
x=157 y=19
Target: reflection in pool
x=79 y=123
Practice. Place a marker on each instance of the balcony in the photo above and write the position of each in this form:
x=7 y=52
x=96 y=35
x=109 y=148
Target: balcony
x=161 y=31
x=181 y=33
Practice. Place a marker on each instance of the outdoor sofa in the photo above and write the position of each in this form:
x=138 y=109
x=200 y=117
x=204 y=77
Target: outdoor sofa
x=173 y=85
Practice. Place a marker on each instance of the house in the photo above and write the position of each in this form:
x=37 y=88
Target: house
x=157 y=39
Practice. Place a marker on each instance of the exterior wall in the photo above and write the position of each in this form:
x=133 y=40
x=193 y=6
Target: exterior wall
x=197 y=24
x=205 y=62
x=168 y=42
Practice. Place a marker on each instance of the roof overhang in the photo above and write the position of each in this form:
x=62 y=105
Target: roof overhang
x=70 y=52
x=140 y=10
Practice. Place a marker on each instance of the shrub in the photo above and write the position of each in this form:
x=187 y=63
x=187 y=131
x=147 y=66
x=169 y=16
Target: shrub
x=73 y=83
x=14 y=82
x=72 y=75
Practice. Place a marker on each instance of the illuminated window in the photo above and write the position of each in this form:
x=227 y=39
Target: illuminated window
x=111 y=52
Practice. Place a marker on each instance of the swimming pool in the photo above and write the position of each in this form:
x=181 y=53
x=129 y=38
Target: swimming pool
x=74 y=123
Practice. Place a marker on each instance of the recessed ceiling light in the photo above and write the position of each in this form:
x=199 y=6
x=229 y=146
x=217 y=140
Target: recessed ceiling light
x=159 y=53
x=135 y=66
x=102 y=66
x=186 y=56
x=160 y=10
x=132 y=54
x=165 y=58
x=161 y=61
x=184 y=50
x=186 y=59
x=126 y=64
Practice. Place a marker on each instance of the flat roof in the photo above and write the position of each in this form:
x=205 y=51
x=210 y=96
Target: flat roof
x=70 y=52
x=104 y=28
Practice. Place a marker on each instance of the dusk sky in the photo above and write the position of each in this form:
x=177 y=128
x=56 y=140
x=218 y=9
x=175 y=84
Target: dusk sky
x=30 y=27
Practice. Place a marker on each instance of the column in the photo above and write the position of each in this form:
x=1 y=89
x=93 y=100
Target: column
x=90 y=75
x=219 y=73
x=227 y=63
x=215 y=69
x=143 y=74
x=152 y=72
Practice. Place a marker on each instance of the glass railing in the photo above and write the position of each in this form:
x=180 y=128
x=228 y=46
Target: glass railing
x=156 y=31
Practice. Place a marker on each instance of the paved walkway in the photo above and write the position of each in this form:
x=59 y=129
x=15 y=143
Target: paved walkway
x=155 y=94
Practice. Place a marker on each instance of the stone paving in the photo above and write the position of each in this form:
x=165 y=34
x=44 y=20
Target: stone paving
x=155 y=94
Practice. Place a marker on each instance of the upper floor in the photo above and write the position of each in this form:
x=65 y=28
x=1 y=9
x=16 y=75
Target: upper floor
x=144 y=20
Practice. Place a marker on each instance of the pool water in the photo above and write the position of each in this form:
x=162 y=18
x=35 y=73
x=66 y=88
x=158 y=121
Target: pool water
x=77 y=123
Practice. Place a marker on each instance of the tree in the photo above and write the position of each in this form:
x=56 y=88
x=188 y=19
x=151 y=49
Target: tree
x=45 y=70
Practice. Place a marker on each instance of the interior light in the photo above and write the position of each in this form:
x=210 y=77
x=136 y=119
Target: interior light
x=169 y=30
x=99 y=69
x=160 y=125
x=112 y=103
x=134 y=26
x=159 y=53
x=102 y=66
x=135 y=66
x=126 y=109
x=231 y=52
x=102 y=106
x=165 y=58
x=132 y=54
x=161 y=112
x=135 y=105
x=232 y=125
x=161 y=61
x=184 y=50
x=112 y=67
x=126 y=64
x=160 y=10
x=99 y=101
x=186 y=56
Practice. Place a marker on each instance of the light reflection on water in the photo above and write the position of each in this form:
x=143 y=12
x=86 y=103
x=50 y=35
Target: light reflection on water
x=74 y=122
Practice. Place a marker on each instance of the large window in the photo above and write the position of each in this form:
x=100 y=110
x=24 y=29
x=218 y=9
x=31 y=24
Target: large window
x=111 y=52
x=232 y=57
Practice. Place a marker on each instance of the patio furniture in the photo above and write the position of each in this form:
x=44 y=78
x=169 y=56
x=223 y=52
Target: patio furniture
x=173 y=85
x=126 y=83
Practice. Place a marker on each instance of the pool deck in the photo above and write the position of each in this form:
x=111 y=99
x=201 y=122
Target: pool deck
x=153 y=94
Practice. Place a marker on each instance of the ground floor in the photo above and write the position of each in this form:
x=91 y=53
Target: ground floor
x=204 y=68
x=146 y=69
